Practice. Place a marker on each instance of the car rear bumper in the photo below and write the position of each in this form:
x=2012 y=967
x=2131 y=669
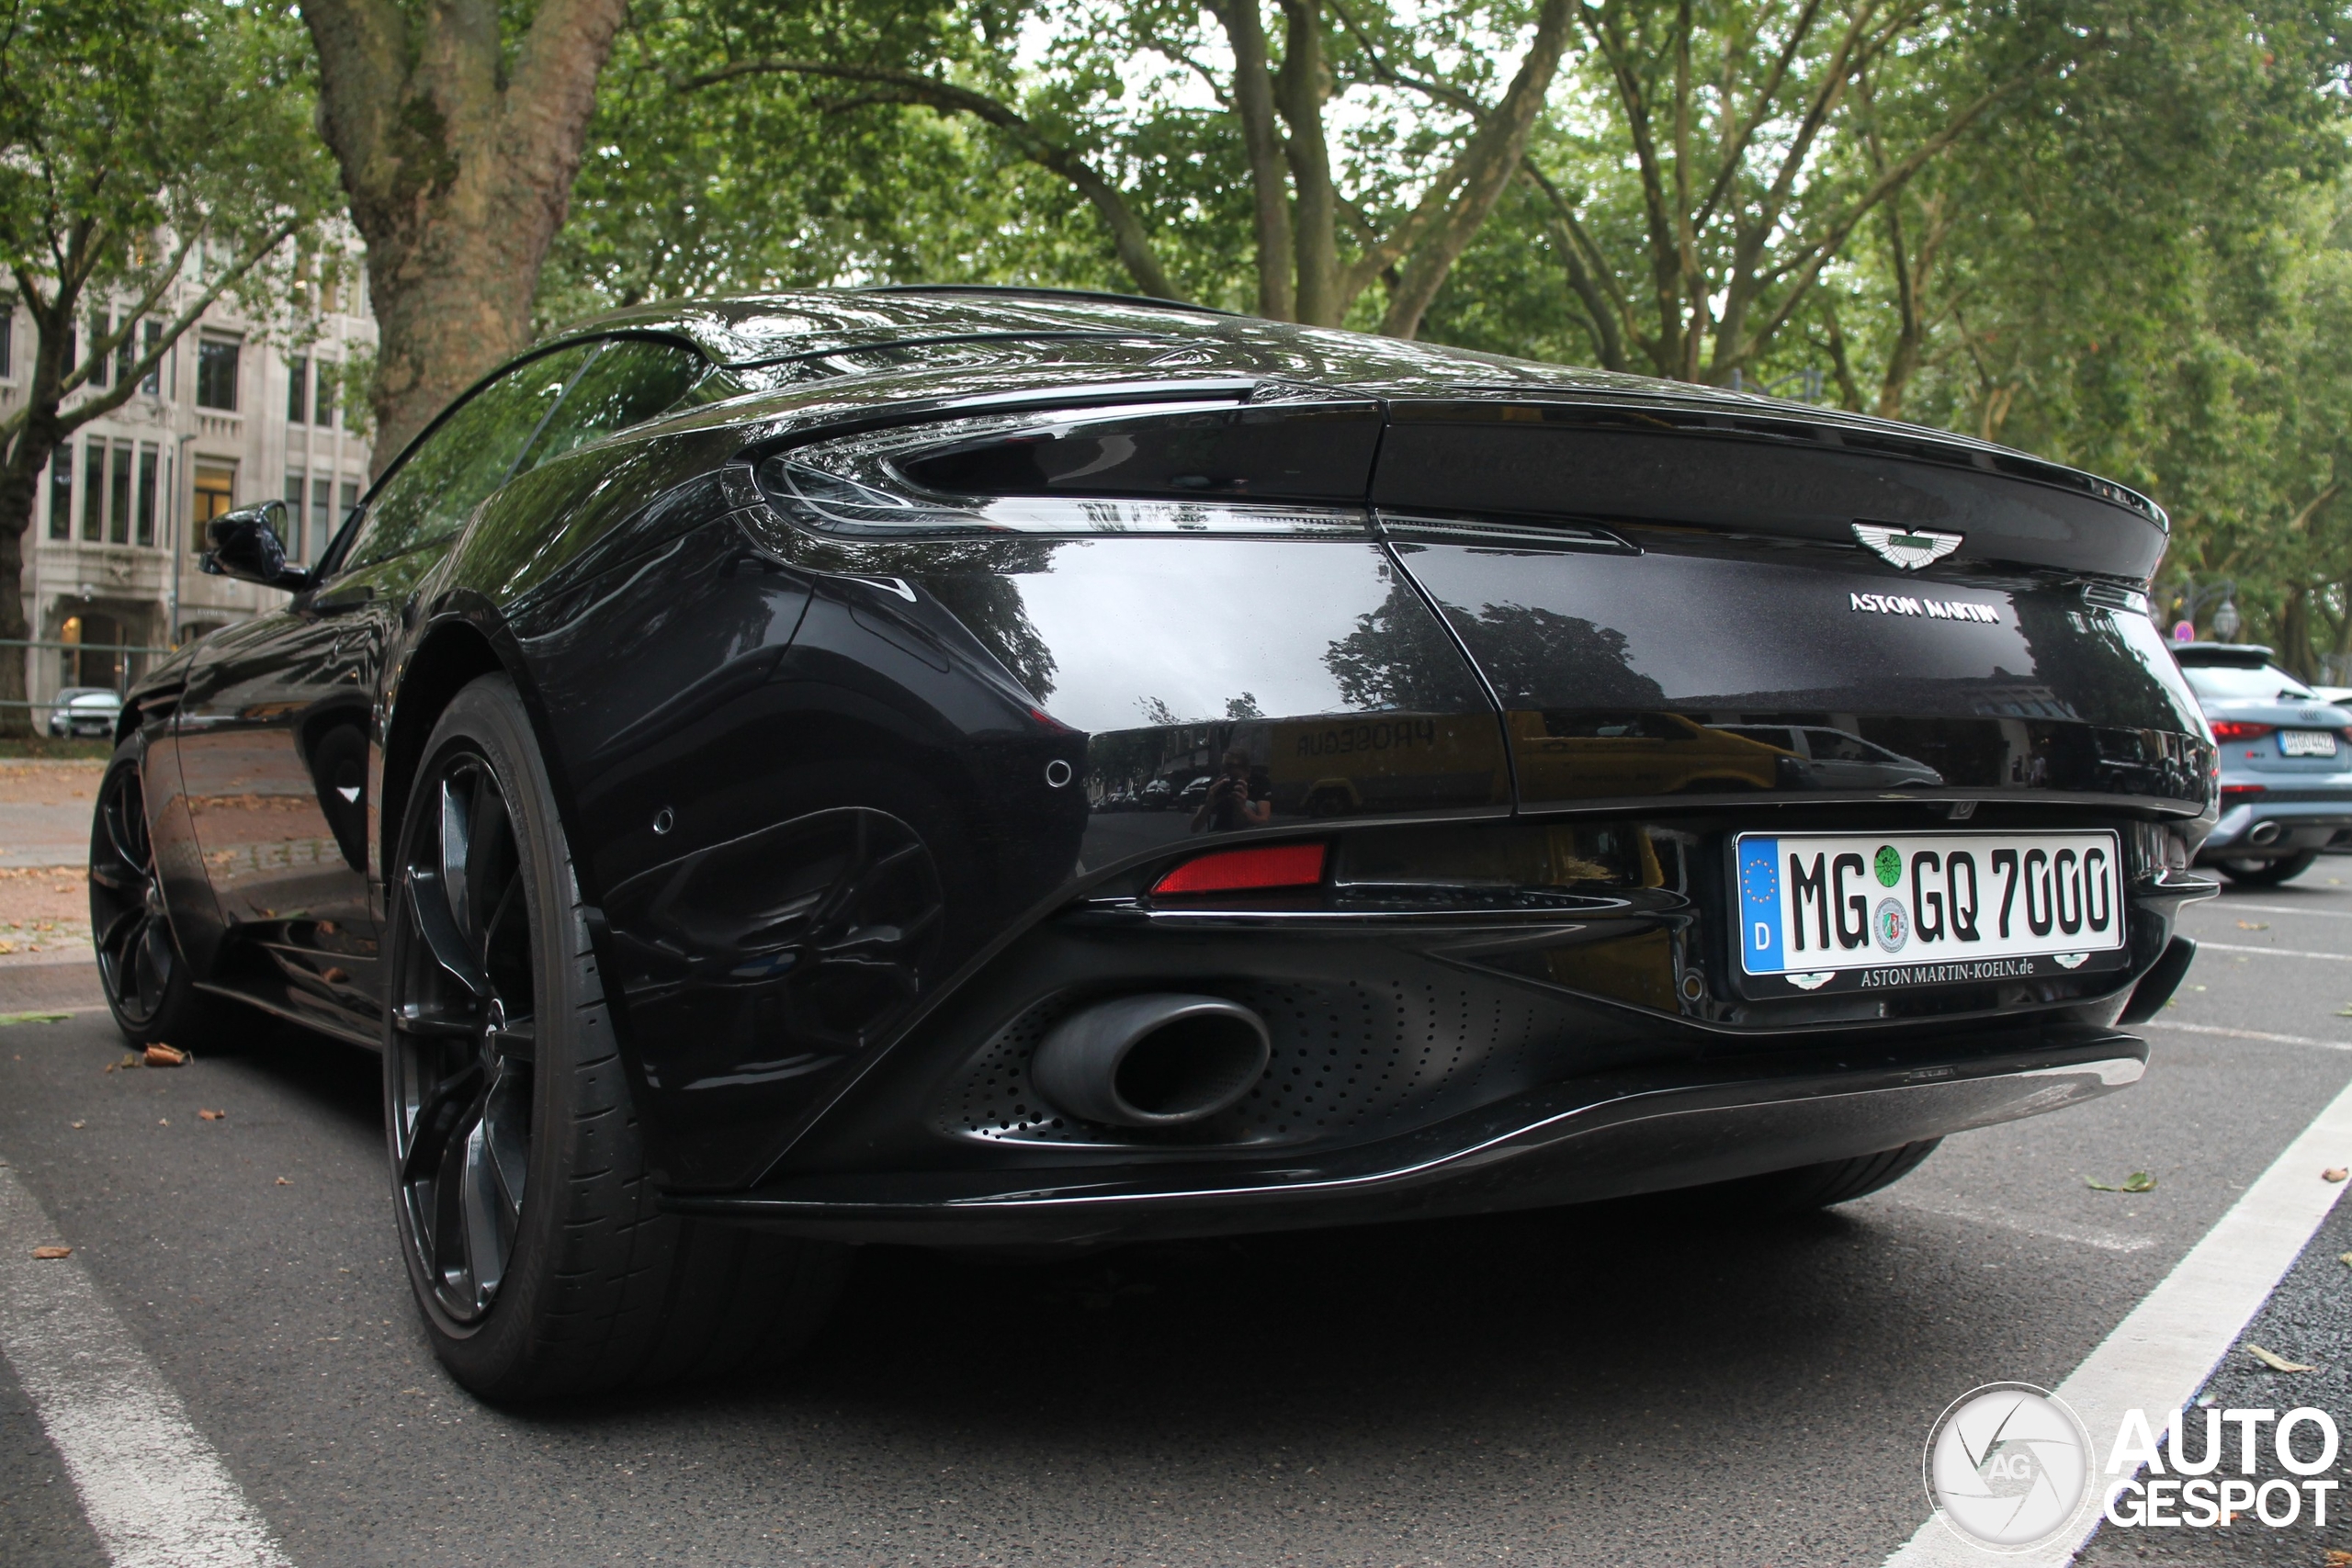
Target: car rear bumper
x=2298 y=817
x=1609 y=1136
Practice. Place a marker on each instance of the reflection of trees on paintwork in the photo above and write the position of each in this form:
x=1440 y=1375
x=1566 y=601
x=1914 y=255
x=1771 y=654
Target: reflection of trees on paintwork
x=992 y=610
x=1398 y=656
x=2081 y=655
x=1244 y=707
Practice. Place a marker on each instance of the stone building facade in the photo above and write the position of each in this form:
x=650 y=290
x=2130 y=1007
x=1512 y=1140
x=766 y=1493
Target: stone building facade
x=231 y=418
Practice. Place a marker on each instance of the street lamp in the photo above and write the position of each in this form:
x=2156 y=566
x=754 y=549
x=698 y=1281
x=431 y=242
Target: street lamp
x=2225 y=621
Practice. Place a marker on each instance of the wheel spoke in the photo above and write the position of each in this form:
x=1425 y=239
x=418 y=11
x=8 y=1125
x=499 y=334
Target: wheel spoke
x=153 y=966
x=432 y=1024
x=517 y=1041
x=457 y=814
x=429 y=907
x=451 y=1102
x=119 y=926
x=487 y=836
x=489 y=1215
x=112 y=873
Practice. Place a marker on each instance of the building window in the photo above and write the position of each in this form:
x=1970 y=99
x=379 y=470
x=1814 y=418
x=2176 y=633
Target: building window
x=321 y=513
x=61 y=492
x=297 y=392
x=119 y=505
x=216 y=374
x=146 y=494
x=294 y=516
x=97 y=336
x=216 y=492
x=126 y=351
x=7 y=339
x=151 y=337
x=322 y=410
x=94 y=490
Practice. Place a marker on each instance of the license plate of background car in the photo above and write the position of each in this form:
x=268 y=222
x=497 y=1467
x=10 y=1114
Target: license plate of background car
x=1896 y=912
x=2307 y=742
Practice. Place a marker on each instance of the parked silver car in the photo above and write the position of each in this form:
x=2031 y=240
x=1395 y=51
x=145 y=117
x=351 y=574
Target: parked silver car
x=88 y=711
x=2286 y=758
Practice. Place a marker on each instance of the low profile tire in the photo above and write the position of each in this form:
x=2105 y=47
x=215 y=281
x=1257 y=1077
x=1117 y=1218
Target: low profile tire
x=2269 y=872
x=149 y=986
x=539 y=1257
x=1834 y=1182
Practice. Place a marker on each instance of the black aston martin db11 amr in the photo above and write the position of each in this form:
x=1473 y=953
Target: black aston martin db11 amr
x=1003 y=769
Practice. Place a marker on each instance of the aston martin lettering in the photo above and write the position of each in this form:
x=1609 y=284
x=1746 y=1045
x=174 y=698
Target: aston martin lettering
x=1932 y=609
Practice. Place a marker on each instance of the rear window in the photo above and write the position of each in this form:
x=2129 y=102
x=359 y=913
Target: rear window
x=2236 y=683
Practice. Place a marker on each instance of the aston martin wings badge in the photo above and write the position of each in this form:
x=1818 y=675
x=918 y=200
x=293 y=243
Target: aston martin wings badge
x=1909 y=549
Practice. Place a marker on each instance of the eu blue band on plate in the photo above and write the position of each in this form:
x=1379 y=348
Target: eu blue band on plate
x=1759 y=905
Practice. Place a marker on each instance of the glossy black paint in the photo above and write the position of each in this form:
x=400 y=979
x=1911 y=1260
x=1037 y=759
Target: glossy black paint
x=879 y=677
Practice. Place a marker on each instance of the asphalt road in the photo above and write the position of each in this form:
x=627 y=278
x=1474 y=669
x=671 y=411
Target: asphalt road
x=1625 y=1385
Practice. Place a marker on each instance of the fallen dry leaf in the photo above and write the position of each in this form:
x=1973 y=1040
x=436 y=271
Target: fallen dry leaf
x=81 y=1124
x=2334 y=1173
x=2277 y=1362
x=2338 y=1560
x=162 y=1056
x=49 y=1252
x=214 y=1115
x=2345 y=1258
x=163 y=1120
x=283 y=1182
x=2254 y=925
x=2138 y=1181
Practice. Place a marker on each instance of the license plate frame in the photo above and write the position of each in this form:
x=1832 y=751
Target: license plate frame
x=2308 y=743
x=1832 y=869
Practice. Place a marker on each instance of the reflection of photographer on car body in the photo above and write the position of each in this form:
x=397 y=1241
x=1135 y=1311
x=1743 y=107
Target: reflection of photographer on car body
x=1235 y=800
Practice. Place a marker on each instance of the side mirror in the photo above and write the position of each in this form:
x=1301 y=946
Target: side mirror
x=248 y=544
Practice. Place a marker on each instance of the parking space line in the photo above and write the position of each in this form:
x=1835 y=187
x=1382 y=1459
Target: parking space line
x=2223 y=908
x=2203 y=946
x=2163 y=1351
x=155 y=1491
x=2246 y=1035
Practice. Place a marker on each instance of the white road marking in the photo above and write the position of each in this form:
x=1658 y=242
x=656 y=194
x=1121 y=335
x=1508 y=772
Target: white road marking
x=2204 y=946
x=2246 y=1035
x=2161 y=1354
x=2232 y=906
x=155 y=1491
x=1986 y=1215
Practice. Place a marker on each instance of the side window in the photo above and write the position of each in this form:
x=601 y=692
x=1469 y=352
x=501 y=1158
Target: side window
x=435 y=488
x=629 y=382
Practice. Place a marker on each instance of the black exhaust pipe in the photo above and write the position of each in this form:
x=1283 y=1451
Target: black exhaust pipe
x=1151 y=1061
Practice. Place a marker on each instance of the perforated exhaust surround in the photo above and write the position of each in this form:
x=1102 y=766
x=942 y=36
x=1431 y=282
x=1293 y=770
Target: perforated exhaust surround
x=1349 y=1060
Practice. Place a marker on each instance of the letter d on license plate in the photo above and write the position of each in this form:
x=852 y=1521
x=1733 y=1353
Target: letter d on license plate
x=1869 y=912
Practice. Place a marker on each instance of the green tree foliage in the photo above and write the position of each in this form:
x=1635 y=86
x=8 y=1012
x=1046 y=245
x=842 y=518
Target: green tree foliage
x=142 y=144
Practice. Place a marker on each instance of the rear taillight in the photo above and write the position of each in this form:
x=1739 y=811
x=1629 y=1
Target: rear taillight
x=2240 y=792
x=2237 y=729
x=1239 y=871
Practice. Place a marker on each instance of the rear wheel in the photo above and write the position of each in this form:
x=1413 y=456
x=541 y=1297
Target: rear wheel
x=539 y=1257
x=1833 y=1181
x=2269 y=872
x=149 y=986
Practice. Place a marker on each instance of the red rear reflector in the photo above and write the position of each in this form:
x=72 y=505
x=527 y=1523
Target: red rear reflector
x=2238 y=730
x=2230 y=790
x=1231 y=871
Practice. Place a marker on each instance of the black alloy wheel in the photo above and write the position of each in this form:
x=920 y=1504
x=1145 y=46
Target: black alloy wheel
x=531 y=1224
x=148 y=984
x=464 y=1035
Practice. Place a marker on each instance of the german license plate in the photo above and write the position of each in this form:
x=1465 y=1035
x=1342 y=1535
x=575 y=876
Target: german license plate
x=1880 y=912
x=2307 y=743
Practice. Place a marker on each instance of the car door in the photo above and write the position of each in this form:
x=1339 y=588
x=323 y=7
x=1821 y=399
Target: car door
x=276 y=726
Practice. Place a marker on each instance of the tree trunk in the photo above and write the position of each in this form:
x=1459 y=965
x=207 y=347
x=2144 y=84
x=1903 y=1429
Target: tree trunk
x=1253 y=104
x=458 y=148
x=1299 y=89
